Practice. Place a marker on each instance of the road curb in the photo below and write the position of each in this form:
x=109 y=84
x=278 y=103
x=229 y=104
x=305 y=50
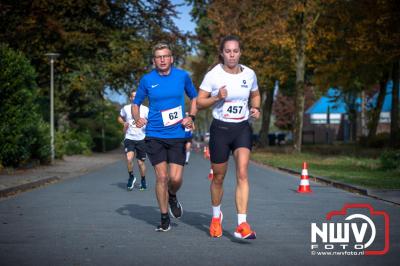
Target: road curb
x=28 y=186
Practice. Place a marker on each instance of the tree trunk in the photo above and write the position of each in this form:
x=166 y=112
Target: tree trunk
x=353 y=124
x=352 y=112
x=376 y=112
x=364 y=129
x=301 y=40
x=266 y=116
x=394 y=112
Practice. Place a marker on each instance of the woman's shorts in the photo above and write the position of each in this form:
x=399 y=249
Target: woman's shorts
x=226 y=137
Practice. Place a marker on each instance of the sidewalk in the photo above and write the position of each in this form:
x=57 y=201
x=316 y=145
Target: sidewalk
x=15 y=181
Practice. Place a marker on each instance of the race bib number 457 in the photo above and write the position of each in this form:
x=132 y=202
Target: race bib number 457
x=172 y=116
x=234 y=110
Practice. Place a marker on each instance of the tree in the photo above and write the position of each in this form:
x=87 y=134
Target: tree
x=394 y=114
x=284 y=107
x=357 y=47
x=294 y=23
x=103 y=44
x=23 y=134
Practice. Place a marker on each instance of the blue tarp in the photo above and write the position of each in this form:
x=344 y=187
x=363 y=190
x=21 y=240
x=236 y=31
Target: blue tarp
x=333 y=100
x=387 y=103
x=338 y=106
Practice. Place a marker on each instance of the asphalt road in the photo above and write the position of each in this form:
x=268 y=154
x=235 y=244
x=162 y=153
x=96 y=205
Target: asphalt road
x=94 y=220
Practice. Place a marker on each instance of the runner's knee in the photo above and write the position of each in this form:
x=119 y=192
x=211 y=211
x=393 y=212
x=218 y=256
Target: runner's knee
x=218 y=179
x=141 y=163
x=129 y=157
x=176 y=178
x=242 y=175
x=162 y=179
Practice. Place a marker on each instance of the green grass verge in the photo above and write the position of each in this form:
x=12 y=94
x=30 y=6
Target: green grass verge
x=365 y=172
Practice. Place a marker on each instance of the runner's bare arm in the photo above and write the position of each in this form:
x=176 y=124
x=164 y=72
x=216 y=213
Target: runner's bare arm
x=255 y=102
x=139 y=121
x=193 y=107
x=121 y=120
x=188 y=121
x=205 y=100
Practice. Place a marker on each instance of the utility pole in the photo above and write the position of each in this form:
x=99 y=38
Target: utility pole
x=52 y=57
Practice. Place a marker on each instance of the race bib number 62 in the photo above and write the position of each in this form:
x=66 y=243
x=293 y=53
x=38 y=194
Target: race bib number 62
x=172 y=116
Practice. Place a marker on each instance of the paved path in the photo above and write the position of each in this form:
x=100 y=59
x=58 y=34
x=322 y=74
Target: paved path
x=93 y=220
x=15 y=181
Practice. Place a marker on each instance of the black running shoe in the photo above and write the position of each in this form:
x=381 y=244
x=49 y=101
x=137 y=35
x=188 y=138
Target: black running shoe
x=175 y=207
x=164 y=226
x=143 y=185
x=131 y=183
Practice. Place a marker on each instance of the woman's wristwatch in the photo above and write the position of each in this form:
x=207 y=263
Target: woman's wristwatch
x=193 y=117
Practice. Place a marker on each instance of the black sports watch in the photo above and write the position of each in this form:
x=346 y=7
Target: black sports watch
x=193 y=117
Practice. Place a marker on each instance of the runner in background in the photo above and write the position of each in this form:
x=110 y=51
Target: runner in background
x=134 y=142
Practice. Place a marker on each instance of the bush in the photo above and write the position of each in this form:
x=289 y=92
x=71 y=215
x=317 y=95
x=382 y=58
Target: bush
x=379 y=141
x=22 y=128
x=112 y=129
x=71 y=142
x=111 y=143
x=390 y=159
x=41 y=149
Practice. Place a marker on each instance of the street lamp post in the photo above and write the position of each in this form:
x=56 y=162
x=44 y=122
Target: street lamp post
x=52 y=57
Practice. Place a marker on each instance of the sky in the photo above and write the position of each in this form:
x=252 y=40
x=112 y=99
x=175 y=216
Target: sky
x=184 y=23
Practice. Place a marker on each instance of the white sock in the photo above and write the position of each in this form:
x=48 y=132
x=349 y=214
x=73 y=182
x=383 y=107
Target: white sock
x=241 y=218
x=216 y=211
x=187 y=156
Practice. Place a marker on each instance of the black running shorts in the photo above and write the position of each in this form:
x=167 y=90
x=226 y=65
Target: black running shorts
x=166 y=150
x=136 y=146
x=226 y=137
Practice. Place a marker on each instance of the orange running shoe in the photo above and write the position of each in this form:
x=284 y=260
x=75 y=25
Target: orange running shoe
x=216 y=226
x=243 y=231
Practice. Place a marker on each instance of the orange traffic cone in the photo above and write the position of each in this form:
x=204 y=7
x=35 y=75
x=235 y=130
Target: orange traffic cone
x=211 y=174
x=304 y=186
x=205 y=152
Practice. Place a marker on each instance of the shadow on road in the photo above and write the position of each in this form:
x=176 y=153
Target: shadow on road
x=144 y=213
x=123 y=185
x=151 y=214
